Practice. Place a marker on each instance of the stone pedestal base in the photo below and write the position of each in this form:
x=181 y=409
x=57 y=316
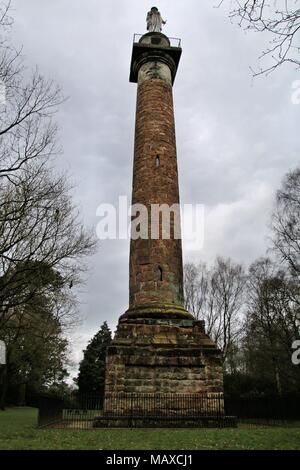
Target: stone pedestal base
x=162 y=350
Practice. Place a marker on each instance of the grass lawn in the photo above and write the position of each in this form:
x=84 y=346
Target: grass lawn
x=18 y=431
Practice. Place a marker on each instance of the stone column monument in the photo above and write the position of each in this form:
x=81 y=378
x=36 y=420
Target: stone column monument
x=159 y=347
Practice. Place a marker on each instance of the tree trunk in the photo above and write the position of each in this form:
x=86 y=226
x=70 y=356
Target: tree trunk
x=3 y=383
x=22 y=394
x=278 y=381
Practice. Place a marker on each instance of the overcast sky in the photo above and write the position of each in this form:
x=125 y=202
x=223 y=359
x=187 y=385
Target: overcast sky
x=236 y=137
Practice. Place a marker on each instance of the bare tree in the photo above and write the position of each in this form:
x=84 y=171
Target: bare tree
x=227 y=289
x=39 y=226
x=272 y=318
x=43 y=242
x=196 y=286
x=216 y=296
x=27 y=132
x=39 y=229
x=286 y=222
x=279 y=19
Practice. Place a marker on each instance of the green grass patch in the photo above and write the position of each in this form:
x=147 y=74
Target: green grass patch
x=18 y=431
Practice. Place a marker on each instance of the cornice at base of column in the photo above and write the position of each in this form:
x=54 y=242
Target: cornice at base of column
x=157 y=311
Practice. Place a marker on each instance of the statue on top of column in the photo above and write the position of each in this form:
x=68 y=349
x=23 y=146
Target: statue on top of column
x=154 y=21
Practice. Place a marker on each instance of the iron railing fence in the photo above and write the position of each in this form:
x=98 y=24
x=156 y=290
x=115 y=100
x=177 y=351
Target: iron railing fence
x=168 y=405
x=79 y=409
x=86 y=411
x=269 y=409
x=175 y=42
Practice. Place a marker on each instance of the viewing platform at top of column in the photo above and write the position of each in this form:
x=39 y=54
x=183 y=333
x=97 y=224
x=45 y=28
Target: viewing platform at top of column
x=156 y=47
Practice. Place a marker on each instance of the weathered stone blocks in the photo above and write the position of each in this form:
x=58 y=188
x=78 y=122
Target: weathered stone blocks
x=158 y=348
x=175 y=357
